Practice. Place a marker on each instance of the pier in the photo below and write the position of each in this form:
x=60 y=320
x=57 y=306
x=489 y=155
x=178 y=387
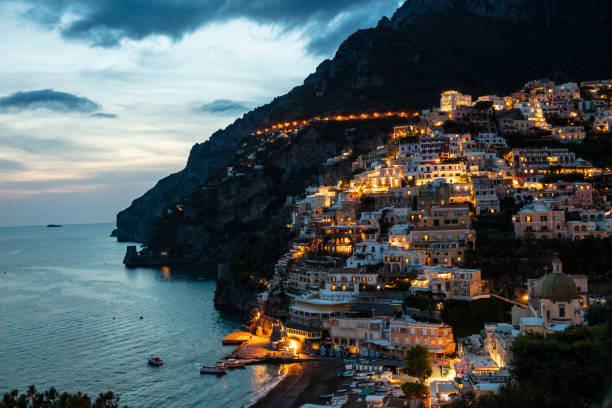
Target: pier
x=254 y=349
x=236 y=338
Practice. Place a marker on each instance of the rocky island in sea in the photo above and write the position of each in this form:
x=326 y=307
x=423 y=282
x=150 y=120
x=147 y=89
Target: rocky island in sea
x=419 y=218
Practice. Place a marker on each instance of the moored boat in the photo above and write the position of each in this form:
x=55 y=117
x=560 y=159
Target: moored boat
x=231 y=364
x=218 y=369
x=156 y=361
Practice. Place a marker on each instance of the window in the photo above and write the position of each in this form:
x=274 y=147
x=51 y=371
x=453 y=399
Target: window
x=543 y=218
x=561 y=310
x=528 y=219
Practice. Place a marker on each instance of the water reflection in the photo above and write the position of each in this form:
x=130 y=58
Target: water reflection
x=173 y=274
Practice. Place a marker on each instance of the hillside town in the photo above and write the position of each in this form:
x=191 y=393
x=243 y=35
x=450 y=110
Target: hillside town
x=397 y=232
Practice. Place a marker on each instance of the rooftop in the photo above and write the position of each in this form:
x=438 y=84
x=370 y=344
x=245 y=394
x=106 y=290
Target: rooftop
x=531 y=321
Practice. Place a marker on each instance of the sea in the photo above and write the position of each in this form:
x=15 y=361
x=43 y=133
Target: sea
x=72 y=316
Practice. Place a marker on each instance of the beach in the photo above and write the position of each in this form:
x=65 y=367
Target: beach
x=303 y=384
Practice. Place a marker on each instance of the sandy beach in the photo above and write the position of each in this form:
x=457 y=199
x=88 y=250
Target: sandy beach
x=303 y=384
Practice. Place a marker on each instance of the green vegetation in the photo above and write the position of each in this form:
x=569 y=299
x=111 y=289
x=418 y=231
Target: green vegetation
x=467 y=318
x=596 y=148
x=418 y=363
x=507 y=262
x=483 y=105
x=415 y=390
x=455 y=127
x=259 y=246
x=422 y=301
x=53 y=399
x=596 y=314
x=566 y=369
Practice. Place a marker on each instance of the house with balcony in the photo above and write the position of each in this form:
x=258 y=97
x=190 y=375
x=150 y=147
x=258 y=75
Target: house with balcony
x=356 y=331
x=449 y=283
x=537 y=220
x=405 y=332
x=444 y=245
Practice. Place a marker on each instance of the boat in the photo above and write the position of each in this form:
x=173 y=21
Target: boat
x=156 y=361
x=54 y=226
x=218 y=369
x=232 y=364
x=339 y=402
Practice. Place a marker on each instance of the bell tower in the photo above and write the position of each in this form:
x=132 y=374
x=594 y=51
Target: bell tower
x=557 y=266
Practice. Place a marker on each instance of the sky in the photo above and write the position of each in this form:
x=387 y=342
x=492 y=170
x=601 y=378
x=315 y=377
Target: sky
x=99 y=99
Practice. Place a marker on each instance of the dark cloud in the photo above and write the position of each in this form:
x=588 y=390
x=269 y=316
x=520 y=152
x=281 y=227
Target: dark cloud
x=106 y=22
x=10 y=165
x=223 y=106
x=103 y=115
x=47 y=99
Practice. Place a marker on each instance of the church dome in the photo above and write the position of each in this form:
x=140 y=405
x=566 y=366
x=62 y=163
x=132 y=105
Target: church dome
x=557 y=286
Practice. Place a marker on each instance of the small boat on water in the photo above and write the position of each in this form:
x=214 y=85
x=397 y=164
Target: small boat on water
x=232 y=364
x=156 y=361
x=218 y=369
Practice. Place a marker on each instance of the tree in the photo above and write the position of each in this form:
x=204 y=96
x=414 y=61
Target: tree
x=415 y=390
x=53 y=399
x=418 y=363
x=565 y=369
x=597 y=313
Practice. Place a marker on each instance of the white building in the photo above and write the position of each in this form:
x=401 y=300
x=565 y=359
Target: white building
x=451 y=99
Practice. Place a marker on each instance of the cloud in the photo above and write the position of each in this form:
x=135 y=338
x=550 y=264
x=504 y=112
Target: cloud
x=106 y=23
x=56 y=147
x=103 y=115
x=10 y=166
x=47 y=99
x=222 y=106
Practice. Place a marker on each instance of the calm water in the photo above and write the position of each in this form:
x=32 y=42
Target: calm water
x=58 y=297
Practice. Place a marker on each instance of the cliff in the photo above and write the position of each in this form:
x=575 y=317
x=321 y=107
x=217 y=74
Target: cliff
x=479 y=47
x=476 y=46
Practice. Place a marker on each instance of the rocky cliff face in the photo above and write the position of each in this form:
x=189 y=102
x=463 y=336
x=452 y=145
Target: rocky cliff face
x=477 y=46
x=224 y=219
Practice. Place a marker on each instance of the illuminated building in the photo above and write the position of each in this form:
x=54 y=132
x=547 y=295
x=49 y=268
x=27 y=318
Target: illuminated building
x=442 y=392
x=355 y=331
x=498 y=103
x=451 y=99
x=450 y=172
x=569 y=134
x=449 y=283
x=491 y=139
x=405 y=332
x=400 y=262
x=537 y=220
x=532 y=111
x=444 y=245
x=313 y=311
x=555 y=300
x=541 y=157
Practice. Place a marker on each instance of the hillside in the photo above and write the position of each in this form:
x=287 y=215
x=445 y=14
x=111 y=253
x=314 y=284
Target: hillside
x=478 y=47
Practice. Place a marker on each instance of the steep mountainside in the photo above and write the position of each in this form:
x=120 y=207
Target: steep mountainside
x=476 y=46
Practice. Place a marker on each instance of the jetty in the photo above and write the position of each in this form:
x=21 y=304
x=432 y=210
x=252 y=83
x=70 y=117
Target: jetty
x=253 y=349
x=236 y=338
